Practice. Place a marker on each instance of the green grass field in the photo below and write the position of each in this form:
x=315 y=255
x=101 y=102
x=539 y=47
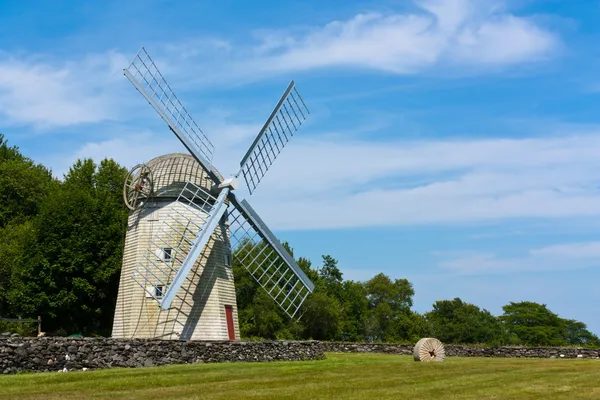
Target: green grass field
x=340 y=376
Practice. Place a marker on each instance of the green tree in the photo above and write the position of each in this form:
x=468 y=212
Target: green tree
x=9 y=153
x=306 y=266
x=262 y=318
x=397 y=294
x=387 y=300
x=409 y=327
x=23 y=185
x=454 y=321
x=71 y=272
x=16 y=240
x=576 y=333
x=534 y=324
x=330 y=272
x=354 y=311
x=321 y=316
x=330 y=278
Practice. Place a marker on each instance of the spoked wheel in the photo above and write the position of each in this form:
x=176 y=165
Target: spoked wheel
x=429 y=349
x=137 y=188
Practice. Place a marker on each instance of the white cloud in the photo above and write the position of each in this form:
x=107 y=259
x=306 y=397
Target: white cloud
x=450 y=32
x=589 y=250
x=130 y=146
x=129 y=149
x=44 y=92
x=566 y=256
x=320 y=184
x=50 y=94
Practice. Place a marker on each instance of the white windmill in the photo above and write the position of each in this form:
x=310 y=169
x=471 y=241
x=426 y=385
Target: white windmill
x=185 y=220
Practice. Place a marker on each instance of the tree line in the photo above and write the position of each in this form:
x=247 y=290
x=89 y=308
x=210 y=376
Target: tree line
x=61 y=247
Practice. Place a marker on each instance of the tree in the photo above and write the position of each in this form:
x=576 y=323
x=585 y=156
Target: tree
x=409 y=327
x=262 y=318
x=23 y=185
x=387 y=300
x=330 y=278
x=397 y=294
x=354 y=311
x=454 y=321
x=9 y=153
x=576 y=333
x=321 y=316
x=15 y=242
x=70 y=274
x=330 y=272
x=534 y=324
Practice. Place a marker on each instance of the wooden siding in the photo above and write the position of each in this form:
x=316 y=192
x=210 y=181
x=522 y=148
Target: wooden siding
x=198 y=310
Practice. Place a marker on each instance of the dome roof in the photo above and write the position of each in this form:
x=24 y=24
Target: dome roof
x=170 y=172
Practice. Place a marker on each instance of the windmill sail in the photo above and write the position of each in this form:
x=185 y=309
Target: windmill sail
x=269 y=263
x=289 y=113
x=145 y=76
x=187 y=230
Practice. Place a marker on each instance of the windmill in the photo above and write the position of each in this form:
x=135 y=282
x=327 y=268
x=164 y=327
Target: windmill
x=202 y=221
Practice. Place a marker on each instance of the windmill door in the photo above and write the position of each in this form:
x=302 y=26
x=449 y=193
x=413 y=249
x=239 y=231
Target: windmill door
x=230 y=328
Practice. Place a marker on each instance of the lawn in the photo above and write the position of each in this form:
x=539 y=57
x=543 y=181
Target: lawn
x=340 y=376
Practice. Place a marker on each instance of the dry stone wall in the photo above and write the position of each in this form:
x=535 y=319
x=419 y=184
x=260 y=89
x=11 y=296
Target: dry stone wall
x=467 y=351
x=48 y=354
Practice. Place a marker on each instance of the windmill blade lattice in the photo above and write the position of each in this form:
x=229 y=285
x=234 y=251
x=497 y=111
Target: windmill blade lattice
x=288 y=115
x=145 y=76
x=196 y=213
x=261 y=254
x=177 y=242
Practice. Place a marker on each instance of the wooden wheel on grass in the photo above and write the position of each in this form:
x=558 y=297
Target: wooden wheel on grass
x=429 y=349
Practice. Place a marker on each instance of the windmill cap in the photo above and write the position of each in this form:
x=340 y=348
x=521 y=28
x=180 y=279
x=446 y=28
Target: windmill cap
x=170 y=172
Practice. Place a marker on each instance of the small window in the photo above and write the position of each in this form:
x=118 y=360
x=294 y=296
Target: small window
x=227 y=259
x=156 y=291
x=167 y=253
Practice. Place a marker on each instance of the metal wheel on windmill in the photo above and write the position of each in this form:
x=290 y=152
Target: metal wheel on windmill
x=137 y=188
x=189 y=233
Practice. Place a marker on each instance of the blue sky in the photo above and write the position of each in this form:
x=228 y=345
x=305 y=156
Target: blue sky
x=454 y=143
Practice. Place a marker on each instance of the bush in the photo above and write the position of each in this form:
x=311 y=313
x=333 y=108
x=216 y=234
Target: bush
x=22 y=328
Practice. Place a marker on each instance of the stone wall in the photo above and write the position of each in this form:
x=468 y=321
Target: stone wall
x=467 y=351
x=47 y=354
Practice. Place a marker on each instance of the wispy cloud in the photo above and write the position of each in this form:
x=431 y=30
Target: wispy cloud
x=463 y=36
x=587 y=250
x=362 y=183
x=38 y=90
x=566 y=256
x=323 y=183
x=46 y=93
x=130 y=145
x=450 y=32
